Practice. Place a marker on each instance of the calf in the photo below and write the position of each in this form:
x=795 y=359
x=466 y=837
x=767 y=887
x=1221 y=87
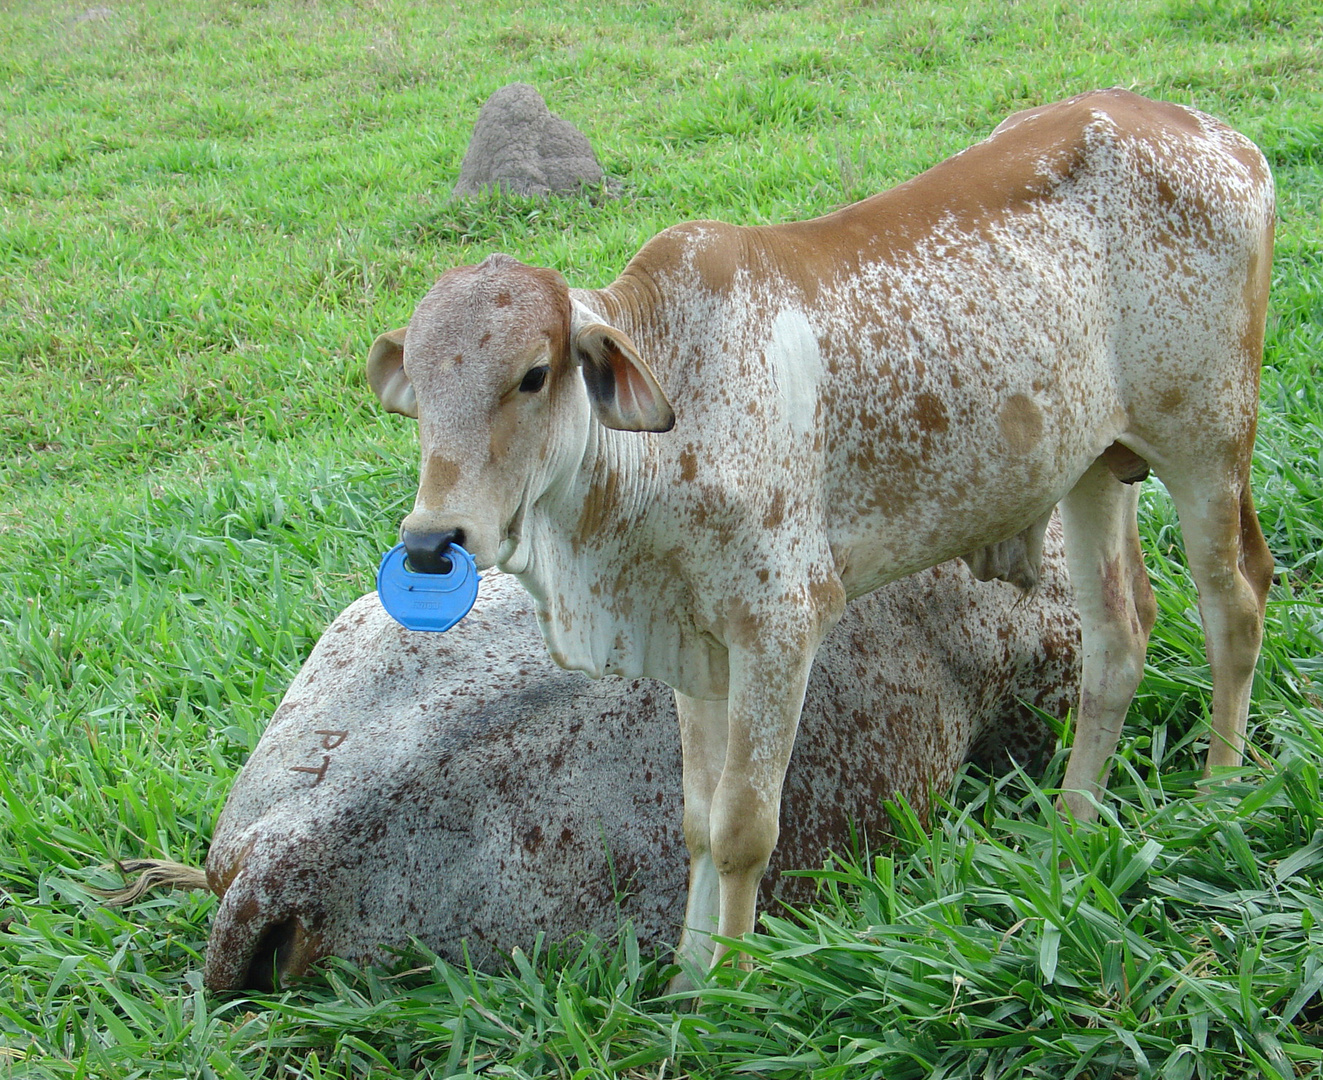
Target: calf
x=462 y=790
x=694 y=468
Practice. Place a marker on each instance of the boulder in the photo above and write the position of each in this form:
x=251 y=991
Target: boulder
x=523 y=148
x=462 y=790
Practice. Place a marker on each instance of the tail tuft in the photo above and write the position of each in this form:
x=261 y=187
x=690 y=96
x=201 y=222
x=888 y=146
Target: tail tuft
x=152 y=874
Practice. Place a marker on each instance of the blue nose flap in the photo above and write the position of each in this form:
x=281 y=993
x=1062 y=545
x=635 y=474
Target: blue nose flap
x=432 y=602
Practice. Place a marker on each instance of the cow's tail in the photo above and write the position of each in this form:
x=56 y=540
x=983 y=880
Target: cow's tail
x=152 y=874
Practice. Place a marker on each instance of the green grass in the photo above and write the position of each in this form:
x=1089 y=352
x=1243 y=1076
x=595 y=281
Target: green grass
x=207 y=212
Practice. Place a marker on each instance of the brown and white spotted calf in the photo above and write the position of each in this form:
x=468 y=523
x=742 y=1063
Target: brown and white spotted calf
x=694 y=468
x=461 y=789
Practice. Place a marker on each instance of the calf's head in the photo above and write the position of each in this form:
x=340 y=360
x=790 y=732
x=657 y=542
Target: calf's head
x=502 y=369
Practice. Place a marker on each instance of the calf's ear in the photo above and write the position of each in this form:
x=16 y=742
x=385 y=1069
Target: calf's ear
x=624 y=391
x=385 y=372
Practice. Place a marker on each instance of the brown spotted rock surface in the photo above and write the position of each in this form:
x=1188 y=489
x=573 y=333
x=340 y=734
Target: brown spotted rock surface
x=460 y=788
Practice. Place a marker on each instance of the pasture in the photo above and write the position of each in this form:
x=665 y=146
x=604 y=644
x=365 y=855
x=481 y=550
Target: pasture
x=207 y=212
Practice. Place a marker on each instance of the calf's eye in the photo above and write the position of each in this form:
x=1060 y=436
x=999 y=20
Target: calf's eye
x=535 y=379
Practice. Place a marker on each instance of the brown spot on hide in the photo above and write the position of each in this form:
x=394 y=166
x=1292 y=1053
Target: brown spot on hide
x=1115 y=591
x=688 y=466
x=930 y=414
x=828 y=596
x=502 y=299
x=1171 y=399
x=1021 y=423
x=440 y=475
x=776 y=513
x=598 y=506
x=742 y=626
x=716 y=266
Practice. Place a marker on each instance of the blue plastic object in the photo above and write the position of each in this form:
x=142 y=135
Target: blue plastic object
x=427 y=601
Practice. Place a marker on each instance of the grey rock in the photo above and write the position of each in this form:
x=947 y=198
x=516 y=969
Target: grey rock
x=462 y=790
x=523 y=148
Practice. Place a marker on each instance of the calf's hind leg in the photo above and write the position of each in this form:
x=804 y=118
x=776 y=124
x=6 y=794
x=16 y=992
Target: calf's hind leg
x=1232 y=569
x=1117 y=612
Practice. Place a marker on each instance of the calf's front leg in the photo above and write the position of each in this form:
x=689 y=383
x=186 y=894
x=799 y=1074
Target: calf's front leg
x=703 y=747
x=735 y=758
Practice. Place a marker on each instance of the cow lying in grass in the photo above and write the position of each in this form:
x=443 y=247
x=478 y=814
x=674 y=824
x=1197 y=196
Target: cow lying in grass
x=461 y=789
x=694 y=468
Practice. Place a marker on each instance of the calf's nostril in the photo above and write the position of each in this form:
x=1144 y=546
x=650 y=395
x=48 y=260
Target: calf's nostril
x=427 y=550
